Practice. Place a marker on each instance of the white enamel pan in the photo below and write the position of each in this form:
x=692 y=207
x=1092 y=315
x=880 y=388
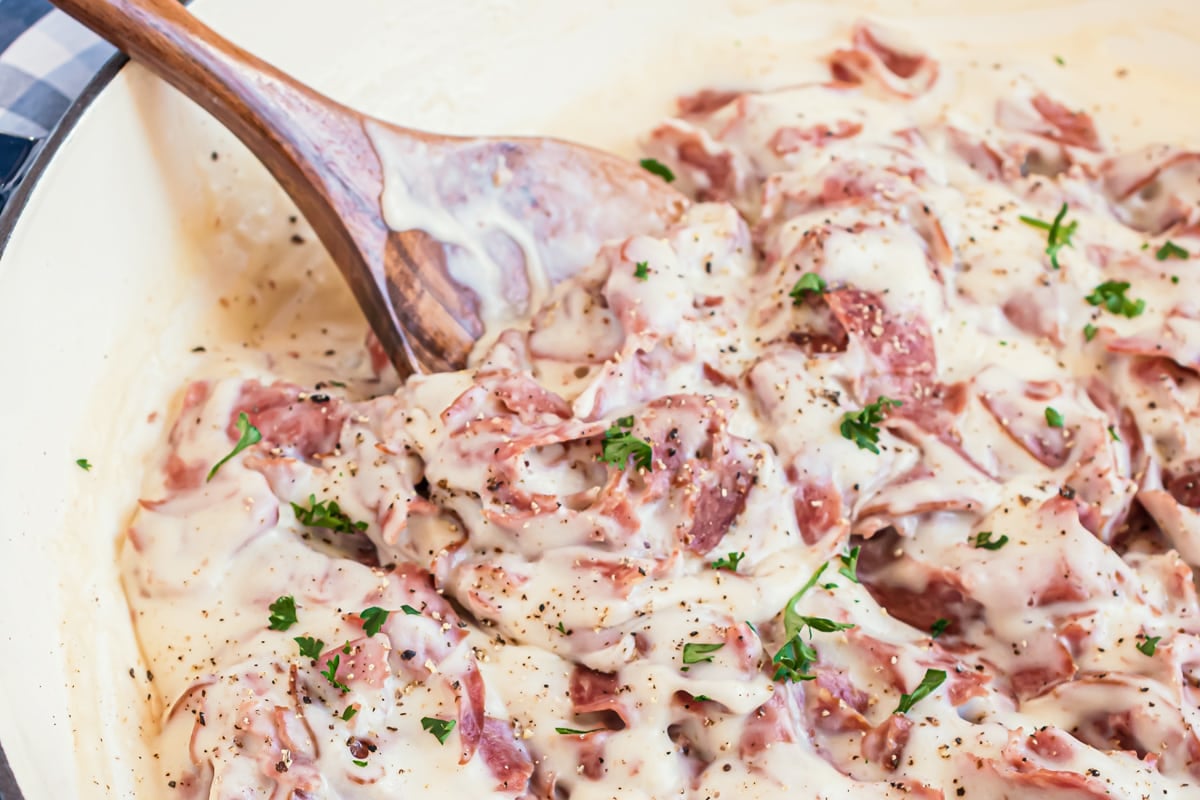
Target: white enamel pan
x=141 y=228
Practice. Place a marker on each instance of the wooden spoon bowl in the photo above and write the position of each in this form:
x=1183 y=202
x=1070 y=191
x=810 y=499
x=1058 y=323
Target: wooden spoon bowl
x=410 y=218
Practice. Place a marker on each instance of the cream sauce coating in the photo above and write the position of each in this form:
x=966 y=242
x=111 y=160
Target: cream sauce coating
x=1021 y=521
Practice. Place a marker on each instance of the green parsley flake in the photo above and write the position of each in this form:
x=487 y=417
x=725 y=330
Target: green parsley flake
x=440 y=728
x=83 y=464
x=932 y=680
x=824 y=625
x=1089 y=331
x=983 y=540
x=1058 y=235
x=938 y=627
x=561 y=628
x=619 y=444
x=641 y=270
x=861 y=427
x=373 y=619
x=1111 y=295
x=1148 y=646
x=699 y=652
x=309 y=647
x=729 y=562
x=283 y=613
x=809 y=283
x=349 y=713
x=326 y=514
x=812 y=581
x=409 y=610
x=248 y=437
x=1171 y=250
x=1112 y=434
x=358 y=763
x=793 y=661
x=330 y=674
x=849 y=568
x=576 y=732
x=655 y=167
x=1053 y=418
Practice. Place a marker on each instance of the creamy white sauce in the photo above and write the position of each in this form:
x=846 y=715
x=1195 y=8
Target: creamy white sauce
x=202 y=569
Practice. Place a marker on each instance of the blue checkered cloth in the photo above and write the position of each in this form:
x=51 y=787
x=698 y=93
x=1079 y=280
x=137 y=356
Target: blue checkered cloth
x=46 y=59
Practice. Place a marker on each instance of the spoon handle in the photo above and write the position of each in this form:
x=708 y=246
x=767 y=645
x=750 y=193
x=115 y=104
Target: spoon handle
x=268 y=110
x=317 y=149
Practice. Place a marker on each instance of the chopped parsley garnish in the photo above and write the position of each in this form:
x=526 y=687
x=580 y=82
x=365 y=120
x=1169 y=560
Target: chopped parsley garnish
x=440 y=728
x=412 y=612
x=729 y=562
x=83 y=464
x=860 y=427
x=326 y=514
x=812 y=581
x=373 y=619
x=576 y=732
x=794 y=660
x=796 y=657
x=701 y=698
x=619 y=444
x=809 y=283
x=1148 y=646
x=349 y=713
x=849 y=567
x=1053 y=418
x=1059 y=60
x=330 y=674
x=561 y=628
x=984 y=540
x=1089 y=331
x=939 y=627
x=641 y=270
x=1111 y=295
x=1112 y=434
x=656 y=167
x=283 y=613
x=824 y=625
x=932 y=680
x=1171 y=250
x=358 y=763
x=1058 y=235
x=249 y=436
x=310 y=647
x=699 y=652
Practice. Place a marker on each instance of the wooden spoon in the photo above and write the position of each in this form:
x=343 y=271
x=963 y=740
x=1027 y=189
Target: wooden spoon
x=561 y=198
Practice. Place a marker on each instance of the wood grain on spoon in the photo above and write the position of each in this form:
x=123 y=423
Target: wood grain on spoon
x=322 y=154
